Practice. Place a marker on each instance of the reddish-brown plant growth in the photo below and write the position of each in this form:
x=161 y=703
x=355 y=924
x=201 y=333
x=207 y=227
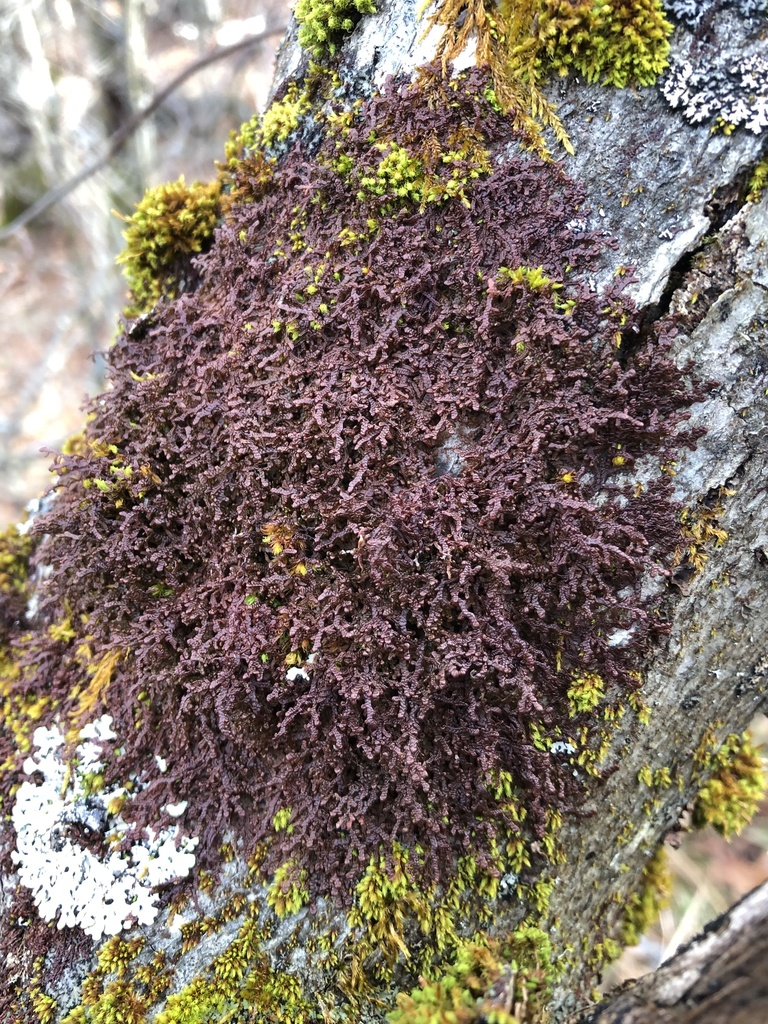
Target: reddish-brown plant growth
x=352 y=509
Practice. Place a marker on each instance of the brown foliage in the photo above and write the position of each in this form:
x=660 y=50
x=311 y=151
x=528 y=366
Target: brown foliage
x=408 y=472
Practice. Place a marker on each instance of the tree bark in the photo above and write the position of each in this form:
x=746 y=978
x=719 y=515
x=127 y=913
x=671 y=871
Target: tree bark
x=672 y=196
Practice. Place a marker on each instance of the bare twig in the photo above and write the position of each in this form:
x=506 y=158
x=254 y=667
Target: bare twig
x=124 y=133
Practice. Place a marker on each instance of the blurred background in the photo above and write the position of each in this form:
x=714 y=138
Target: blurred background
x=72 y=74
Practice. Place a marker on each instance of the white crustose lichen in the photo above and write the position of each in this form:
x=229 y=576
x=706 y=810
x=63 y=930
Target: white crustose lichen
x=59 y=824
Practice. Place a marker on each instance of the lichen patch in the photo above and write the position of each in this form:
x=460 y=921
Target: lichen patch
x=66 y=834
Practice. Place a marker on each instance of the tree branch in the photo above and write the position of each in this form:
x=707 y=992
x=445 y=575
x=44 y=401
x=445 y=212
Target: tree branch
x=721 y=975
x=124 y=133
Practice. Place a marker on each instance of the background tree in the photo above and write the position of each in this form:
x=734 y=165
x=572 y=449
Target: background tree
x=407 y=584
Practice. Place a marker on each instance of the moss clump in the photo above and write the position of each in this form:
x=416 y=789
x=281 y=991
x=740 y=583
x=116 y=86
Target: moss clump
x=283 y=117
x=15 y=551
x=323 y=22
x=287 y=893
x=585 y=692
x=701 y=530
x=172 y=223
x=392 y=584
x=615 y=42
x=116 y=955
x=730 y=798
x=240 y=984
x=419 y=175
x=525 y=41
x=653 y=894
x=486 y=983
x=19 y=712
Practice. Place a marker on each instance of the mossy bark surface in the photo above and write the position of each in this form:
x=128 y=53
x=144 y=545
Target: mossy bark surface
x=412 y=576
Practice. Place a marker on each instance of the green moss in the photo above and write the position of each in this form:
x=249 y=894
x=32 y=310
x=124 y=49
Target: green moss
x=616 y=42
x=585 y=692
x=644 y=905
x=658 y=779
x=758 y=182
x=172 y=223
x=282 y=820
x=730 y=798
x=201 y=1002
x=483 y=983
x=612 y=42
x=239 y=981
x=283 y=116
x=398 y=174
x=287 y=893
x=117 y=954
x=119 y=1004
x=603 y=953
x=44 y=1006
x=401 y=176
x=20 y=712
x=322 y=22
x=701 y=530
x=15 y=552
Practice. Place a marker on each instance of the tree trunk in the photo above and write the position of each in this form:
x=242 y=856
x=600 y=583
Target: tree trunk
x=418 y=552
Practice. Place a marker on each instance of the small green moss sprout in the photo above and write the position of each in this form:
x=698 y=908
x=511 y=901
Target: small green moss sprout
x=758 y=182
x=322 y=22
x=653 y=894
x=287 y=894
x=585 y=692
x=283 y=116
x=15 y=552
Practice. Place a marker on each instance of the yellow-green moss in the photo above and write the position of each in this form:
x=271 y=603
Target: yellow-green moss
x=281 y=822
x=643 y=906
x=758 y=182
x=172 y=222
x=407 y=177
x=484 y=983
x=280 y=119
x=15 y=551
x=287 y=894
x=659 y=778
x=44 y=1006
x=239 y=980
x=283 y=116
x=585 y=692
x=19 y=711
x=701 y=530
x=616 y=42
x=398 y=173
x=395 y=923
x=117 y=954
x=730 y=798
x=322 y=22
